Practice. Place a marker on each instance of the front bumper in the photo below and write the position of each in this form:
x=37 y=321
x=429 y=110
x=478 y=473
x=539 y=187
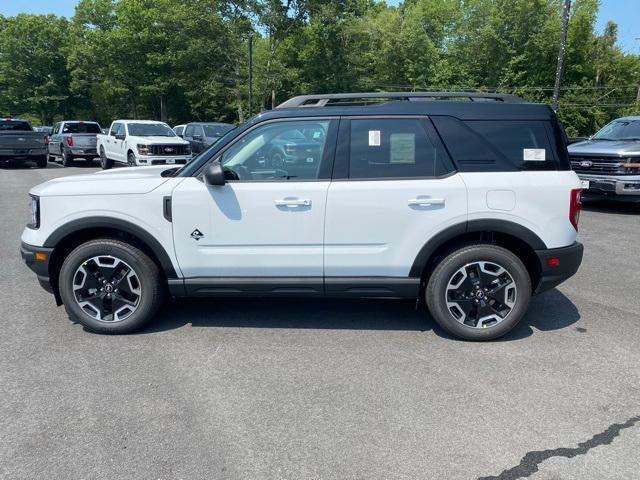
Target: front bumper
x=608 y=185
x=40 y=267
x=161 y=160
x=557 y=265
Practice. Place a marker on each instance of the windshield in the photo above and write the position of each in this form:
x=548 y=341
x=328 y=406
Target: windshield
x=150 y=130
x=14 y=125
x=620 y=130
x=216 y=131
x=81 y=128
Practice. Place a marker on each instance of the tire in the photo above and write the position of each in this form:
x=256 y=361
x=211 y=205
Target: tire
x=128 y=273
x=131 y=159
x=454 y=300
x=67 y=158
x=105 y=163
x=41 y=162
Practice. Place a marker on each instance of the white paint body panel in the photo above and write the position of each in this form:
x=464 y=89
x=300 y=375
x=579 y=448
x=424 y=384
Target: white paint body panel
x=541 y=201
x=372 y=230
x=245 y=232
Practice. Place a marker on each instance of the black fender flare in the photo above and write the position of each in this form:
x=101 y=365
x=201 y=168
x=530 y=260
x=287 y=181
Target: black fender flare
x=114 y=223
x=487 y=225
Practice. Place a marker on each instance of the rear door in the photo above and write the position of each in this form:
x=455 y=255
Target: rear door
x=393 y=188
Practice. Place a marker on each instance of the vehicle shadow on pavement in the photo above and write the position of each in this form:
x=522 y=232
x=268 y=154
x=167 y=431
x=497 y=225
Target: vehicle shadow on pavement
x=549 y=311
x=611 y=206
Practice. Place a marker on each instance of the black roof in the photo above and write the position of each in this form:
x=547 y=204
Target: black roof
x=459 y=109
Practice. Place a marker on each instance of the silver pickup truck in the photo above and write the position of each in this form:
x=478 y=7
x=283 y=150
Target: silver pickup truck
x=19 y=143
x=73 y=139
x=608 y=163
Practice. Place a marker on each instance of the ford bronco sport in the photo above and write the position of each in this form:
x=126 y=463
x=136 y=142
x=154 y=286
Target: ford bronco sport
x=464 y=201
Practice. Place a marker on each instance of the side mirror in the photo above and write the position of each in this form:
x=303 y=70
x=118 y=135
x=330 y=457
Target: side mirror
x=214 y=175
x=197 y=137
x=120 y=136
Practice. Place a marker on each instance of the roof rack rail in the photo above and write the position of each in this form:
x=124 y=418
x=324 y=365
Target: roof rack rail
x=345 y=99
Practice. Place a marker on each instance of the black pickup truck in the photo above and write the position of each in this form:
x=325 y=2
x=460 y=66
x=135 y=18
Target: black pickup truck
x=20 y=143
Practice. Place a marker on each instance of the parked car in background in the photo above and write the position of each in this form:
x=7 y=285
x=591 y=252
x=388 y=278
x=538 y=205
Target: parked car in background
x=608 y=163
x=179 y=129
x=202 y=134
x=20 y=143
x=142 y=142
x=43 y=129
x=73 y=139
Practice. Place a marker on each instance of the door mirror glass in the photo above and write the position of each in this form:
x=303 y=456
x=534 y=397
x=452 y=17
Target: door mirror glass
x=214 y=175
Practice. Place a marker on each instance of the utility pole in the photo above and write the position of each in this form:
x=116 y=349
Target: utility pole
x=566 y=7
x=250 y=73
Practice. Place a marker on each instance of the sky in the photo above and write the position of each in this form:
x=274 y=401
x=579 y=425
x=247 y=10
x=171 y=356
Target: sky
x=626 y=13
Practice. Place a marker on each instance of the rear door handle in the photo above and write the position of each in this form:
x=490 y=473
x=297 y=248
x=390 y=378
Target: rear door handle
x=293 y=202
x=425 y=201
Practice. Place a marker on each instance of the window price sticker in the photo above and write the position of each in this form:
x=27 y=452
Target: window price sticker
x=374 y=138
x=534 y=154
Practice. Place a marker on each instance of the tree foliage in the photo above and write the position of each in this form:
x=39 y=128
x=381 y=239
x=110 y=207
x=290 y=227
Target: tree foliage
x=188 y=59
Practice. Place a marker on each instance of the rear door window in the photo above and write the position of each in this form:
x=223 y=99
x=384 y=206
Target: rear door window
x=391 y=148
x=498 y=145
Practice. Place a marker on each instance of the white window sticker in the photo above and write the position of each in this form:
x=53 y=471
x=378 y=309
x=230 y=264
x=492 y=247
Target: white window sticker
x=534 y=154
x=374 y=138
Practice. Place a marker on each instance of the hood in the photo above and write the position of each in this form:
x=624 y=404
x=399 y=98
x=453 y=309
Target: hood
x=119 y=181
x=157 y=140
x=605 y=147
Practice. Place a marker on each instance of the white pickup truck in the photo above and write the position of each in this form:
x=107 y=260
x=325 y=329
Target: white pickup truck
x=142 y=142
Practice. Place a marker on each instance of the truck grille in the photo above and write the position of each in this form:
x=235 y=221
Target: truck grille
x=603 y=165
x=169 y=150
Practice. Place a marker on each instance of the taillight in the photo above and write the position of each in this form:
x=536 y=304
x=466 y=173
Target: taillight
x=575 y=205
x=69 y=141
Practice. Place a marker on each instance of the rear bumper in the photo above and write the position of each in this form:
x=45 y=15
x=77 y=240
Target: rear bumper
x=554 y=272
x=39 y=267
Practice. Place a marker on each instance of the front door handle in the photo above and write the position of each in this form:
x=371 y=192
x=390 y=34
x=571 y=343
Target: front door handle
x=425 y=201
x=293 y=202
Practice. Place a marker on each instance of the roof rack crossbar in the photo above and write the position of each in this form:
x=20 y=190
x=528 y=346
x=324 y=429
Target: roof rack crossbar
x=322 y=100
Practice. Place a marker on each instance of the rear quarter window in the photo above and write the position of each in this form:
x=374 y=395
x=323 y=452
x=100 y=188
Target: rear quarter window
x=499 y=145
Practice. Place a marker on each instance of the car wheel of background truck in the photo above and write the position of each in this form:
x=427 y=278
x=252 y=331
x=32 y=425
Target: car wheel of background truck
x=105 y=163
x=479 y=292
x=67 y=158
x=110 y=286
x=41 y=162
x=131 y=159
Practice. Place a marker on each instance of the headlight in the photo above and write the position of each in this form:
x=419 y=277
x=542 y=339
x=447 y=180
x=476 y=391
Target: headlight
x=35 y=212
x=144 y=149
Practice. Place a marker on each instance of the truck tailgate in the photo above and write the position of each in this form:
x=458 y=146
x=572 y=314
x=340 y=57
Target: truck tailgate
x=84 y=140
x=21 y=141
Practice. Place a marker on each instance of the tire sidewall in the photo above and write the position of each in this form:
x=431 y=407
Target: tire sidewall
x=146 y=270
x=131 y=159
x=67 y=160
x=436 y=290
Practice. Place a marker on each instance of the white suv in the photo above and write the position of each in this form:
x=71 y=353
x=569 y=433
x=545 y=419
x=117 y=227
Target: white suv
x=468 y=205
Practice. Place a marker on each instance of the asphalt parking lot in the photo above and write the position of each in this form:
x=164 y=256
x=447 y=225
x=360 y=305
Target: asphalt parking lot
x=311 y=389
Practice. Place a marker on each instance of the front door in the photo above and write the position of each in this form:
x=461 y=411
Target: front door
x=268 y=219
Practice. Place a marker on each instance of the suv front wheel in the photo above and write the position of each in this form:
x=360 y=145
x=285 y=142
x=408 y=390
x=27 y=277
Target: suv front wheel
x=110 y=286
x=479 y=292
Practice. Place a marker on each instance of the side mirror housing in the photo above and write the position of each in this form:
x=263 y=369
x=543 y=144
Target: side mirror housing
x=120 y=136
x=214 y=175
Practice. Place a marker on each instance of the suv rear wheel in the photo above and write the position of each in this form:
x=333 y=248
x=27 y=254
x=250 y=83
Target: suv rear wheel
x=110 y=286
x=67 y=158
x=479 y=292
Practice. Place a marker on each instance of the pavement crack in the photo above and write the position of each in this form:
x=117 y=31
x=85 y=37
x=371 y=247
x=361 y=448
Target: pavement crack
x=530 y=462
